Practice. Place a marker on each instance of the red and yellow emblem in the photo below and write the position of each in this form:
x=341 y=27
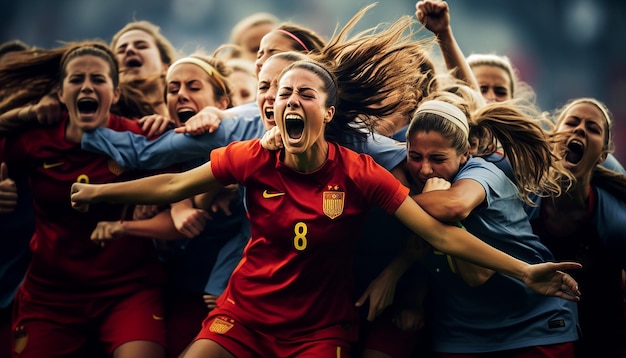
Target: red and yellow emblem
x=333 y=201
x=114 y=167
x=221 y=325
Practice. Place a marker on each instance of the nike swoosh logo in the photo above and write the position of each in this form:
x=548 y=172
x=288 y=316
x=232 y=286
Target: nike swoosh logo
x=52 y=165
x=267 y=195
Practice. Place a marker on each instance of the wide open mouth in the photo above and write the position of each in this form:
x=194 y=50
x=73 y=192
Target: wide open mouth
x=575 y=151
x=294 y=125
x=87 y=105
x=132 y=62
x=185 y=114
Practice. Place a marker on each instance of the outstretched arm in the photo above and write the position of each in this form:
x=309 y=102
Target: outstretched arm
x=135 y=151
x=545 y=278
x=157 y=189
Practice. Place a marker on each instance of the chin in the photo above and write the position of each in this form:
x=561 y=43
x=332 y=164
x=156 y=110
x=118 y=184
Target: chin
x=91 y=124
x=294 y=149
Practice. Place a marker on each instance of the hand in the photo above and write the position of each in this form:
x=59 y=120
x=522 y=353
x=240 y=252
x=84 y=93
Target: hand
x=207 y=120
x=48 y=110
x=222 y=200
x=549 y=279
x=272 y=139
x=188 y=221
x=381 y=292
x=8 y=191
x=436 y=184
x=143 y=212
x=434 y=15
x=155 y=124
x=106 y=231
x=409 y=318
x=81 y=195
x=211 y=301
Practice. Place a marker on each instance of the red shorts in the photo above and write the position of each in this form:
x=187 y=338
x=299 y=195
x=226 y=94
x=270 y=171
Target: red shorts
x=243 y=342
x=5 y=331
x=184 y=313
x=384 y=336
x=561 y=350
x=44 y=328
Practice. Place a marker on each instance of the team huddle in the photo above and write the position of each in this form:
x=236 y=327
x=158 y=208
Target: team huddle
x=293 y=196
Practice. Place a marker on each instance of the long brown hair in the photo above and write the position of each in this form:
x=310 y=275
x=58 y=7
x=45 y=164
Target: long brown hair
x=377 y=72
x=40 y=72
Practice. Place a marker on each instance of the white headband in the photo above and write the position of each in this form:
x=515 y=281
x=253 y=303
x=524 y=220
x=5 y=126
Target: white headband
x=447 y=111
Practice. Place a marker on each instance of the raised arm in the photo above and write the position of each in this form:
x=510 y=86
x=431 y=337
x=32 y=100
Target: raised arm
x=435 y=16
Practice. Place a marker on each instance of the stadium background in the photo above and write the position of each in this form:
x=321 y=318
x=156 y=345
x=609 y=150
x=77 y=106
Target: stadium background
x=562 y=48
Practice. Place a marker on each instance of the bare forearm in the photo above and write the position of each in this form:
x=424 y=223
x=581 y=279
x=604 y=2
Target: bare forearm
x=457 y=242
x=16 y=119
x=149 y=190
x=398 y=266
x=160 y=227
x=159 y=189
x=454 y=59
x=440 y=207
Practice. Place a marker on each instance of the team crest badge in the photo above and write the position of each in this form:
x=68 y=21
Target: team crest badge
x=333 y=202
x=221 y=325
x=114 y=167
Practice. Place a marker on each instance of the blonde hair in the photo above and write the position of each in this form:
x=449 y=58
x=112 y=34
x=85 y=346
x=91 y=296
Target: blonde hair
x=520 y=90
x=217 y=70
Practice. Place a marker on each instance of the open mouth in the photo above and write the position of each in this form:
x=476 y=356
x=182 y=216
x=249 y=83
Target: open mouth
x=269 y=113
x=185 y=114
x=133 y=62
x=294 y=126
x=87 y=105
x=575 y=151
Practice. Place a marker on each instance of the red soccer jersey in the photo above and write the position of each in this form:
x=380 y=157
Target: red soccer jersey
x=64 y=260
x=295 y=277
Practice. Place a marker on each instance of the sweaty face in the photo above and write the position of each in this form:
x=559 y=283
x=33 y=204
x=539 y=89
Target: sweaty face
x=272 y=43
x=266 y=89
x=582 y=133
x=430 y=155
x=188 y=91
x=138 y=55
x=88 y=92
x=494 y=82
x=301 y=111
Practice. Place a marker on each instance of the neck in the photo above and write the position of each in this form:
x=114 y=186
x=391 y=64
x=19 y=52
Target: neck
x=577 y=196
x=308 y=161
x=161 y=108
x=73 y=134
